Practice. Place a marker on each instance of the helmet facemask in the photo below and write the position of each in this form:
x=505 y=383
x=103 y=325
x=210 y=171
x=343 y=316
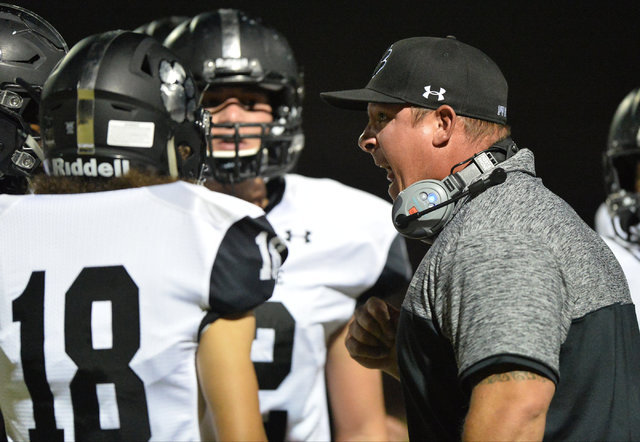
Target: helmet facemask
x=279 y=145
x=623 y=200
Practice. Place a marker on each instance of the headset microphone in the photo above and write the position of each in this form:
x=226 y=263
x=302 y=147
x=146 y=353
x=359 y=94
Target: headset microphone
x=422 y=209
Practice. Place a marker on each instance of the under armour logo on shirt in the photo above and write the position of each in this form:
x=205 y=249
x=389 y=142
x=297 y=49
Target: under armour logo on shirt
x=429 y=92
x=306 y=236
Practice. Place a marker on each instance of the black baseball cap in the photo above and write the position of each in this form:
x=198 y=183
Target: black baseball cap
x=429 y=72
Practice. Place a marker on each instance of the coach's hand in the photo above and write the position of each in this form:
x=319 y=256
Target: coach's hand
x=371 y=338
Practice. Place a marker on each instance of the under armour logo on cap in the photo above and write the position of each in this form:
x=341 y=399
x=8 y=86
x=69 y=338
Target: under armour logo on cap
x=439 y=94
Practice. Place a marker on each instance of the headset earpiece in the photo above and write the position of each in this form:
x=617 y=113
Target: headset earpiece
x=421 y=210
x=416 y=198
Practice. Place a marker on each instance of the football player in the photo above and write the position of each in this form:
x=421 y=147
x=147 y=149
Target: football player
x=254 y=91
x=116 y=304
x=160 y=28
x=29 y=49
x=618 y=218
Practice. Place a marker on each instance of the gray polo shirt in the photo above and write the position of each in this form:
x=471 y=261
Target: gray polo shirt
x=517 y=281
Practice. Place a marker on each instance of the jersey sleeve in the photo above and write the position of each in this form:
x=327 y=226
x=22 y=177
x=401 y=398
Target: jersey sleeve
x=245 y=268
x=395 y=276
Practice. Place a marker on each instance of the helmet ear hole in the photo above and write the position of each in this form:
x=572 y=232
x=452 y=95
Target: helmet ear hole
x=184 y=151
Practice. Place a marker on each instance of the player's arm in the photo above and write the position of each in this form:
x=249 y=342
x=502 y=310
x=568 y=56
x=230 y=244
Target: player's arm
x=510 y=405
x=228 y=380
x=356 y=395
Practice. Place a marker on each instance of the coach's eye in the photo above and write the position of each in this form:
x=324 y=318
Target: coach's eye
x=381 y=117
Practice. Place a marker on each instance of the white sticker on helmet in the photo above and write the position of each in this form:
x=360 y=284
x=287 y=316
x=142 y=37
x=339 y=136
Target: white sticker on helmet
x=130 y=133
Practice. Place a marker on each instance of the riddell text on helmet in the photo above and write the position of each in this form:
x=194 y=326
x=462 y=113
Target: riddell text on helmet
x=91 y=168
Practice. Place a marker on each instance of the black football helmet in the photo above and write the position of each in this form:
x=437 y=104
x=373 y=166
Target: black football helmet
x=161 y=27
x=226 y=47
x=29 y=49
x=622 y=168
x=119 y=100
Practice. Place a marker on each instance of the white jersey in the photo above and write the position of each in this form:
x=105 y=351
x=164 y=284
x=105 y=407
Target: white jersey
x=628 y=254
x=339 y=241
x=103 y=297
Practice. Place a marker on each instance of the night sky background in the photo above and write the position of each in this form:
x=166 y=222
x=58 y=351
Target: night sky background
x=568 y=65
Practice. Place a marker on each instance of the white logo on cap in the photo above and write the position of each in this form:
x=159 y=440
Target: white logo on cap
x=382 y=63
x=428 y=92
x=502 y=111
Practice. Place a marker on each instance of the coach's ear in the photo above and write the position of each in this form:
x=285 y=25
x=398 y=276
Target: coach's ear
x=446 y=119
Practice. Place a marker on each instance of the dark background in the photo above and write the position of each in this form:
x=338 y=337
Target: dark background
x=568 y=65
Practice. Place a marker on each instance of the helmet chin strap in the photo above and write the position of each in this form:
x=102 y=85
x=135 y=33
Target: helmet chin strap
x=35 y=147
x=171 y=158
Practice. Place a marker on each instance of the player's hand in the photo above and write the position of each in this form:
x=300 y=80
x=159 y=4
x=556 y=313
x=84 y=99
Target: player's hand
x=371 y=338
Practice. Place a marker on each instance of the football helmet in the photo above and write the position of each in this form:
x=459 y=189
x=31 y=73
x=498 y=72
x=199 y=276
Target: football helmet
x=622 y=168
x=161 y=27
x=29 y=49
x=227 y=47
x=120 y=100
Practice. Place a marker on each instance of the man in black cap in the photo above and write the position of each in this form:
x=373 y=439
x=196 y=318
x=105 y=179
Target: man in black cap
x=518 y=323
